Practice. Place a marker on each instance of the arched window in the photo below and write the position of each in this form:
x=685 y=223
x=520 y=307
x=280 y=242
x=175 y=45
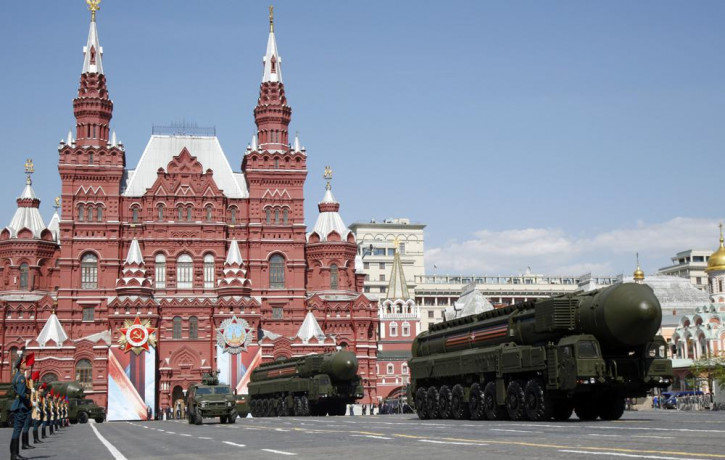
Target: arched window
x=160 y=271
x=84 y=374
x=393 y=329
x=134 y=214
x=80 y=213
x=404 y=368
x=188 y=213
x=233 y=215
x=184 y=272
x=276 y=163
x=333 y=277
x=276 y=272
x=24 y=272
x=181 y=214
x=89 y=271
x=160 y=212
x=268 y=215
x=208 y=211
x=99 y=213
x=406 y=329
x=208 y=271
x=177 y=327
x=285 y=216
x=276 y=216
x=89 y=213
x=391 y=369
x=193 y=327
x=49 y=378
x=90 y=156
x=12 y=356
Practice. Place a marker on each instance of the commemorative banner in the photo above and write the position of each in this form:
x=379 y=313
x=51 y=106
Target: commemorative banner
x=236 y=357
x=132 y=372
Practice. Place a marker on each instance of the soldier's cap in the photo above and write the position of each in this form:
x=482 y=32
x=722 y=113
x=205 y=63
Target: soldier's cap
x=35 y=376
x=44 y=386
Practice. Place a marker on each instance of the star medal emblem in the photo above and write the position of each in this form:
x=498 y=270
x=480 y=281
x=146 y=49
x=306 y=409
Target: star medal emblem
x=233 y=335
x=137 y=335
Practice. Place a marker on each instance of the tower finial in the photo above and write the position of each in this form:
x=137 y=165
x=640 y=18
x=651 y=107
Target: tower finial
x=271 y=18
x=57 y=203
x=30 y=169
x=721 y=238
x=328 y=176
x=93 y=5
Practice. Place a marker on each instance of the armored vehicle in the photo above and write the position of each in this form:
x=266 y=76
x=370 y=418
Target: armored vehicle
x=583 y=352
x=319 y=384
x=7 y=396
x=242 y=402
x=210 y=399
x=80 y=409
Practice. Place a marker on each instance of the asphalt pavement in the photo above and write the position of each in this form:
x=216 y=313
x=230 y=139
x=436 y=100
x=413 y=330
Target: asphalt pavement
x=660 y=435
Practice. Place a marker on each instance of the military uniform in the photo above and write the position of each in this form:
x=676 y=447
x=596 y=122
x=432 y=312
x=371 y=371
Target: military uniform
x=37 y=408
x=20 y=409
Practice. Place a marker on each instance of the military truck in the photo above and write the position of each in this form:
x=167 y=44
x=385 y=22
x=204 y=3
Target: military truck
x=321 y=384
x=210 y=399
x=242 y=402
x=80 y=409
x=7 y=396
x=583 y=352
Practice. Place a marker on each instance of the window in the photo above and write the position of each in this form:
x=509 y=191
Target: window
x=406 y=330
x=285 y=216
x=233 y=215
x=188 y=214
x=393 y=329
x=99 y=214
x=134 y=214
x=89 y=213
x=181 y=214
x=177 y=327
x=160 y=271
x=88 y=313
x=366 y=265
x=268 y=213
x=382 y=277
x=160 y=212
x=184 y=272
x=84 y=374
x=391 y=369
x=276 y=163
x=366 y=289
x=193 y=327
x=430 y=313
x=24 y=272
x=401 y=248
x=49 y=378
x=383 y=289
x=276 y=272
x=277 y=313
x=391 y=251
x=89 y=271
x=276 y=216
x=382 y=265
x=90 y=156
x=80 y=213
x=208 y=213
x=333 y=277
x=208 y=271
x=12 y=356
x=404 y=369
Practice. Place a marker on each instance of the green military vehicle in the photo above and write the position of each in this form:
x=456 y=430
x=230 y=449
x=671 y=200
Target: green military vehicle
x=210 y=399
x=242 y=402
x=584 y=352
x=80 y=409
x=7 y=396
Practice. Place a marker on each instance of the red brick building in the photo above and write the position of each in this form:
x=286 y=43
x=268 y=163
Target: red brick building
x=183 y=240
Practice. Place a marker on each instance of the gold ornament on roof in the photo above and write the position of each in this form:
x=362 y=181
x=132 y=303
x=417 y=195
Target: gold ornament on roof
x=57 y=203
x=328 y=176
x=271 y=18
x=717 y=259
x=29 y=169
x=93 y=5
x=638 y=273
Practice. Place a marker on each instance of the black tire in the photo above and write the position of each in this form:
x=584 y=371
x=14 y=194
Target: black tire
x=515 y=405
x=233 y=417
x=305 y=404
x=445 y=402
x=99 y=420
x=297 y=407
x=223 y=419
x=459 y=407
x=283 y=409
x=537 y=402
x=420 y=404
x=190 y=417
x=431 y=402
x=611 y=407
x=475 y=403
x=562 y=410
x=492 y=410
x=83 y=417
x=198 y=419
x=586 y=409
x=266 y=407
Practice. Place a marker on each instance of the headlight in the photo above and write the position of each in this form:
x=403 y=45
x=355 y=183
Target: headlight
x=229 y=404
x=662 y=351
x=592 y=380
x=653 y=352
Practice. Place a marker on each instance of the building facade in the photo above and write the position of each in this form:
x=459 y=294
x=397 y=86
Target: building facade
x=183 y=243
x=690 y=264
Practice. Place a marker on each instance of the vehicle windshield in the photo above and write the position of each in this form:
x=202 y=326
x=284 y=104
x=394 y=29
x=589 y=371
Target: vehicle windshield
x=221 y=390
x=85 y=402
x=203 y=391
x=587 y=349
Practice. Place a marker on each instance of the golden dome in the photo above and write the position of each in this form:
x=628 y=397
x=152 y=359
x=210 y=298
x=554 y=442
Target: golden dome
x=717 y=259
x=638 y=274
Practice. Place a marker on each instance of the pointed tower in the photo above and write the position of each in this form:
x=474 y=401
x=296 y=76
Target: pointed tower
x=53 y=333
x=134 y=279
x=234 y=282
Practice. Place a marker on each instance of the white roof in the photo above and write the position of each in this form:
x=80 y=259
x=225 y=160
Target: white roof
x=52 y=330
x=134 y=254
x=328 y=221
x=92 y=43
x=233 y=255
x=269 y=75
x=470 y=302
x=27 y=217
x=161 y=149
x=54 y=226
x=310 y=328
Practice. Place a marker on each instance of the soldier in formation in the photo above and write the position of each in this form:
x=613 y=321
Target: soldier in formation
x=20 y=406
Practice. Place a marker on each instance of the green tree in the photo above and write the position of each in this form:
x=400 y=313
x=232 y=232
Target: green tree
x=711 y=368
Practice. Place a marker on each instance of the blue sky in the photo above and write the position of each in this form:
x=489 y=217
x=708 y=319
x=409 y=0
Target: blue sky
x=564 y=136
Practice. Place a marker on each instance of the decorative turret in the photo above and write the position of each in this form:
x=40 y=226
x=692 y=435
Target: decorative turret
x=134 y=279
x=54 y=225
x=310 y=328
x=716 y=262
x=52 y=333
x=93 y=108
x=329 y=220
x=638 y=274
x=234 y=281
x=272 y=113
x=27 y=216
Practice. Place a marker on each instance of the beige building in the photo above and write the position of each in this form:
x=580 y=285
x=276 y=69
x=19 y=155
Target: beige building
x=690 y=264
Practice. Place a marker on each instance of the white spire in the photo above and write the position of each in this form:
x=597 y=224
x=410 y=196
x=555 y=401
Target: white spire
x=54 y=225
x=113 y=139
x=297 y=143
x=69 y=141
x=254 y=142
x=134 y=254
x=234 y=256
x=310 y=328
x=398 y=286
x=92 y=52
x=272 y=61
x=52 y=330
x=359 y=265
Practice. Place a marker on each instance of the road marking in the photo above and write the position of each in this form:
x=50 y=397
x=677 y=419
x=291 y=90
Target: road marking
x=604 y=435
x=452 y=442
x=111 y=448
x=370 y=436
x=280 y=429
x=281 y=452
x=514 y=431
x=655 y=437
x=204 y=437
x=184 y=434
x=159 y=429
x=170 y=432
x=234 y=444
x=617 y=454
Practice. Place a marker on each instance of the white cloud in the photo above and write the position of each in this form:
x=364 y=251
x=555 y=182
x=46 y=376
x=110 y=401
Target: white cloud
x=554 y=251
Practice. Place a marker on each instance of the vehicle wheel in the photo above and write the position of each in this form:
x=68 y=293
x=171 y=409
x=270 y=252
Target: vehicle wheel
x=492 y=410
x=537 y=401
x=99 y=420
x=445 y=401
x=305 y=405
x=515 y=404
x=198 y=419
x=223 y=419
x=340 y=410
x=459 y=408
x=431 y=402
x=611 y=407
x=284 y=407
x=82 y=417
x=267 y=407
x=233 y=417
x=297 y=407
x=475 y=403
x=190 y=417
x=562 y=410
x=420 y=404
x=586 y=409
